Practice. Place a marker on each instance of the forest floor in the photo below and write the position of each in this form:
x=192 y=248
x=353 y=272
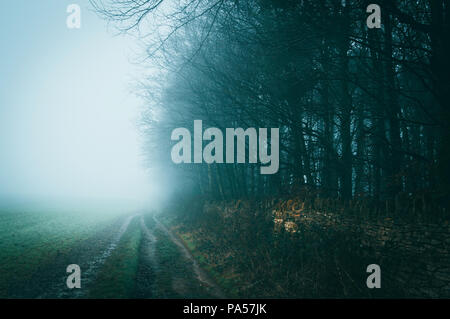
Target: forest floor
x=120 y=256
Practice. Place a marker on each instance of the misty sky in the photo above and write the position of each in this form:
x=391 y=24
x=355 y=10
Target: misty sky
x=67 y=109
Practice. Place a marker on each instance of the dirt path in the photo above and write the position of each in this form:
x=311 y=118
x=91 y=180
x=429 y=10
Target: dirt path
x=166 y=268
x=200 y=274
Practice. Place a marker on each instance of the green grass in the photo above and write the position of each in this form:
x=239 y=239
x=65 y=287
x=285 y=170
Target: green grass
x=30 y=242
x=117 y=277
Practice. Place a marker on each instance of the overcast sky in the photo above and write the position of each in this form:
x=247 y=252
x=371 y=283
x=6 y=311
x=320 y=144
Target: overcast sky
x=67 y=110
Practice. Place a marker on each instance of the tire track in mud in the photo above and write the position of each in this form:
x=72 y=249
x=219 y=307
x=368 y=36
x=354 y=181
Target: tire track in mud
x=200 y=274
x=149 y=266
x=88 y=275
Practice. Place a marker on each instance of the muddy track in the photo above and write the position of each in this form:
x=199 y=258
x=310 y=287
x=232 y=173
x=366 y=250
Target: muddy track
x=200 y=274
x=176 y=276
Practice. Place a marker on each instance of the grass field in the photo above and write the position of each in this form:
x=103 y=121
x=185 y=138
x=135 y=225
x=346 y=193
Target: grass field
x=36 y=247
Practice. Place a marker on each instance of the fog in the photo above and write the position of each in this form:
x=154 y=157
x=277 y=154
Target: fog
x=68 y=113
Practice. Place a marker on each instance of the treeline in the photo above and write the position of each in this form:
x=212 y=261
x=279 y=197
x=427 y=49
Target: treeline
x=361 y=112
